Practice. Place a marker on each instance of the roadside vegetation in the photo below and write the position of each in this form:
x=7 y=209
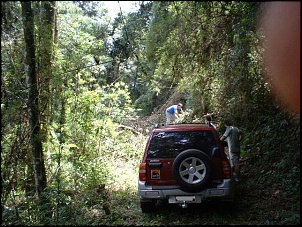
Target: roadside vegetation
x=77 y=109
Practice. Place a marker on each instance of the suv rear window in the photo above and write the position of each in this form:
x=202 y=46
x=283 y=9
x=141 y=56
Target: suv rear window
x=170 y=144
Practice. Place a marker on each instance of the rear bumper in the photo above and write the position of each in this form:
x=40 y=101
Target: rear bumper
x=223 y=191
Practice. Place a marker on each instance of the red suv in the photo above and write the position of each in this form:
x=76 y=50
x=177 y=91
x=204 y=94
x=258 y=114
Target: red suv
x=184 y=163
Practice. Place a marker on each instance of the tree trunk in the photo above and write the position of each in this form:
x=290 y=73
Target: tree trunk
x=46 y=29
x=33 y=98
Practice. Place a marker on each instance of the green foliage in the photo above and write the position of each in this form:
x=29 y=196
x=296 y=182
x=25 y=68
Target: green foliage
x=103 y=73
x=273 y=146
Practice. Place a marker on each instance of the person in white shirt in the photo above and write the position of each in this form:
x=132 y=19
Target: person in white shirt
x=173 y=112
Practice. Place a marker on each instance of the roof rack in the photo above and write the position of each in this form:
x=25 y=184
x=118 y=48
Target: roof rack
x=180 y=123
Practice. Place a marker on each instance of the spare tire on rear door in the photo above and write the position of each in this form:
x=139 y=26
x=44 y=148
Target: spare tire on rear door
x=192 y=170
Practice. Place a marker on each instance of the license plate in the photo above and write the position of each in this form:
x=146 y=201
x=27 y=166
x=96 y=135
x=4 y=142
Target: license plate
x=185 y=198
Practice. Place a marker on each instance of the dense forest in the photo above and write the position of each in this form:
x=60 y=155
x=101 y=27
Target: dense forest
x=80 y=93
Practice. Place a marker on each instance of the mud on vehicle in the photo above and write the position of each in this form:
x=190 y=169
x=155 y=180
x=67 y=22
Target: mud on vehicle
x=183 y=164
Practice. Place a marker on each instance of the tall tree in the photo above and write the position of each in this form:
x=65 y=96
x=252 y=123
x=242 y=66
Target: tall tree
x=45 y=43
x=33 y=97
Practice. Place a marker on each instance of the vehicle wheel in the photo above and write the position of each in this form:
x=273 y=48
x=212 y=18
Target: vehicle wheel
x=192 y=170
x=148 y=206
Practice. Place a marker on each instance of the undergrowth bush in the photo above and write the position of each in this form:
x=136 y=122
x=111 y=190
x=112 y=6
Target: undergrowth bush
x=273 y=151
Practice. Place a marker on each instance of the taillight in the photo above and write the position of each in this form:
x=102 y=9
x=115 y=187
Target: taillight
x=142 y=172
x=226 y=170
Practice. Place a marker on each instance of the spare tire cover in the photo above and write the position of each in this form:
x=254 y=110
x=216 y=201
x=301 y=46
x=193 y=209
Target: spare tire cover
x=192 y=170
